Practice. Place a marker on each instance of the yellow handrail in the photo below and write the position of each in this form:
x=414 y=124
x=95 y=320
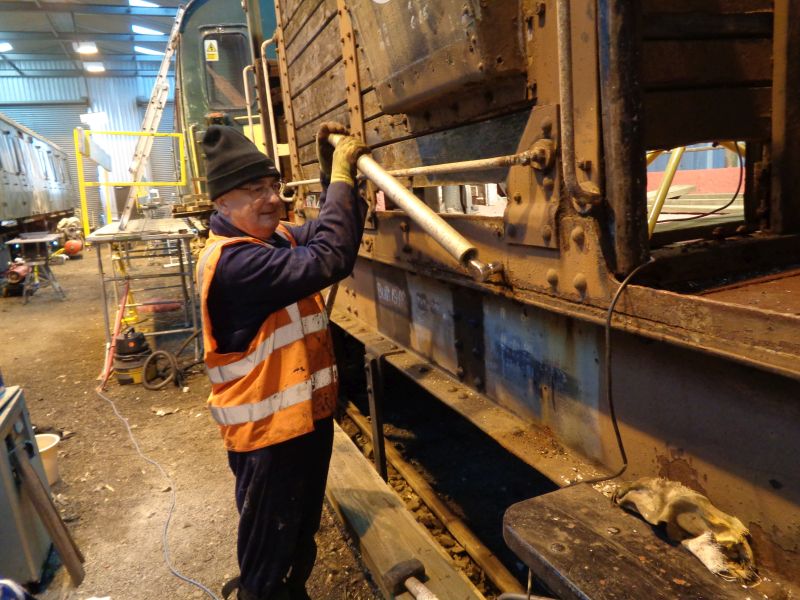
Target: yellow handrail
x=83 y=184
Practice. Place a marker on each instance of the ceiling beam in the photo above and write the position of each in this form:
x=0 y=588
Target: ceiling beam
x=13 y=66
x=89 y=9
x=80 y=73
x=67 y=36
x=101 y=55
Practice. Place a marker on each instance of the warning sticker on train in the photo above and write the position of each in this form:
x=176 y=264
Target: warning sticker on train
x=211 y=50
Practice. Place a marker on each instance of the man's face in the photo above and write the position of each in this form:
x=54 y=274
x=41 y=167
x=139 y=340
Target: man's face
x=255 y=207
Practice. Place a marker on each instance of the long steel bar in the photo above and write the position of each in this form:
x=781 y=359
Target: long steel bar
x=448 y=238
x=663 y=189
x=586 y=193
x=467 y=166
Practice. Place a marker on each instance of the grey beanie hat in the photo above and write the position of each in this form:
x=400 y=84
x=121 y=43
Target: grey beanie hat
x=232 y=160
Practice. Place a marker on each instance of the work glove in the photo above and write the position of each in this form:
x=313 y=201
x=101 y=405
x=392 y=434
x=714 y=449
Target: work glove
x=344 y=159
x=324 y=149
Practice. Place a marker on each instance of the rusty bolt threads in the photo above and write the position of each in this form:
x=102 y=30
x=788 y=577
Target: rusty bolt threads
x=518 y=198
x=547 y=233
x=580 y=283
x=543 y=154
x=552 y=277
x=578 y=236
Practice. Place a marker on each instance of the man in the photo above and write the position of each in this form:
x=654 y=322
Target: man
x=268 y=350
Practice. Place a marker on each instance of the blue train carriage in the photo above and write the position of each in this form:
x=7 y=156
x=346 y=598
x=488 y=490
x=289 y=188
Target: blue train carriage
x=213 y=49
x=35 y=181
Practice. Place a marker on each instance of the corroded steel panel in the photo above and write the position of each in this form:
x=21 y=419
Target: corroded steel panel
x=545 y=367
x=422 y=52
x=432 y=326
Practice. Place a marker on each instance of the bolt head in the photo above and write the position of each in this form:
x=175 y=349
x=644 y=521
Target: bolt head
x=577 y=235
x=552 y=277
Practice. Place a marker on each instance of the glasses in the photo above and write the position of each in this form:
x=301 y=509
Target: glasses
x=259 y=191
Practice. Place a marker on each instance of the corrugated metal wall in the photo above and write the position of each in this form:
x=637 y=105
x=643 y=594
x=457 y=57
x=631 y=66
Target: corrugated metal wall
x=52 y=107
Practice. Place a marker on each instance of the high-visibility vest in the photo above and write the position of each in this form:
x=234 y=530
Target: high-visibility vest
x=285 y=379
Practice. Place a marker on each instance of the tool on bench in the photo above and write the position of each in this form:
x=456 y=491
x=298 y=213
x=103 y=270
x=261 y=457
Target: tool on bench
x=406 y=575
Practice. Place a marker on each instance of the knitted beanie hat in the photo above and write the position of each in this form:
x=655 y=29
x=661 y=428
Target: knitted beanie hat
x=232 y=160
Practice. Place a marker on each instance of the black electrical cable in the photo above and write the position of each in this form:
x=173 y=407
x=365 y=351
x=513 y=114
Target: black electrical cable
x=724 y=206
x=609 y=392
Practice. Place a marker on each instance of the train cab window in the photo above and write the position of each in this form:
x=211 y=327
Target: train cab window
x=225 y=54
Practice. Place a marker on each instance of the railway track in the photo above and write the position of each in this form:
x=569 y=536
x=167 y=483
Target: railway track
x=456 y=482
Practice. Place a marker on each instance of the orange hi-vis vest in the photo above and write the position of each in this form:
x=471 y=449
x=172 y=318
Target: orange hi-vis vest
x=284 y=381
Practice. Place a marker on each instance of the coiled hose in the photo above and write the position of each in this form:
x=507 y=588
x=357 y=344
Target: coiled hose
x=169 y=373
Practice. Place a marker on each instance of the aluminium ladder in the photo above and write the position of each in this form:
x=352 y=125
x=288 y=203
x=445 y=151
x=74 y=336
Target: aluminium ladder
x=152 y=118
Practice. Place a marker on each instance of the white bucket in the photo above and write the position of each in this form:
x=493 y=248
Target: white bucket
x=47 y=442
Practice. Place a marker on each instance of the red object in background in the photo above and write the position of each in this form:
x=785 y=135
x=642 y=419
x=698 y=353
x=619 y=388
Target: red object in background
x=72 y=247
x=17 y=272
x=705 y=181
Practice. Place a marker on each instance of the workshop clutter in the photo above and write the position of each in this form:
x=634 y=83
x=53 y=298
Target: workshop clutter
x=130 y=353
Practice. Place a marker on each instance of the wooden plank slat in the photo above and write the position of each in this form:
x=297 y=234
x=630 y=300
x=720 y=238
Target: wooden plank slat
x=325 y=92
x=306 y=66
x=682 y=64
x=306 y=134
x=682 y=117
x=700 y=6
x=386 y=532
x=309 y=19
x=582 y=546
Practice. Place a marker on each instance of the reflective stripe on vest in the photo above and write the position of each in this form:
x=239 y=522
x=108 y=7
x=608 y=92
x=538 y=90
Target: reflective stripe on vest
x=282 y=336
x=301 y=392
x=201 y=264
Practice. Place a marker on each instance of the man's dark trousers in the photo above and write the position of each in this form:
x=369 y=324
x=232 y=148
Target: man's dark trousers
x=279 y=494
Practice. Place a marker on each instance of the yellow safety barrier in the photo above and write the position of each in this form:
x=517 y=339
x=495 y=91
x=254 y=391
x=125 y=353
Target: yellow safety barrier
x=83 y=184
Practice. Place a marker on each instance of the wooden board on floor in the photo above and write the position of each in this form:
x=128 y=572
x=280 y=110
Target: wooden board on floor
x=584 y=547
x=386 y=531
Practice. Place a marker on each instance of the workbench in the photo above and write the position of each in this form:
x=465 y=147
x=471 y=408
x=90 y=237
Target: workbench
x=148 y=252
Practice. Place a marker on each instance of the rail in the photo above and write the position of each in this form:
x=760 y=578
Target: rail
x=80 y=152
x=273 y=134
